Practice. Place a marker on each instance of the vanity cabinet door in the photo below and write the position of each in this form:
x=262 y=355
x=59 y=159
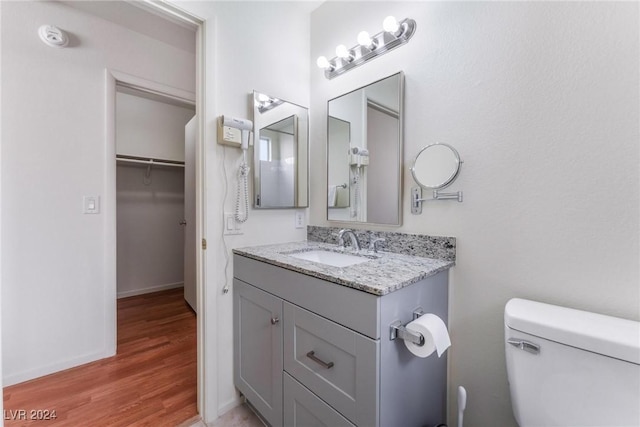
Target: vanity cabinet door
x=257 y=349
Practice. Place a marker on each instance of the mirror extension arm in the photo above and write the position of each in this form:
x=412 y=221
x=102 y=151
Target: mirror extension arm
x=416 y=198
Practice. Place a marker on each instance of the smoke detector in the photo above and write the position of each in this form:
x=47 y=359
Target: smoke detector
x=53 y=36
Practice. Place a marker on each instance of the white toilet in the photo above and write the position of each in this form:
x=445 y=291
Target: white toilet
x=571 y=368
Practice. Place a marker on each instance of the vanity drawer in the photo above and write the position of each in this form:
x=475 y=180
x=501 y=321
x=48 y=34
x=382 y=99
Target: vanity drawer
x=334 y=362
x=303 y=408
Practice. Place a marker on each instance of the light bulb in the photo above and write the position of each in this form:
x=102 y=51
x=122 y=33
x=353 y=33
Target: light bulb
x=364 y=39
x=342 y=52
x=262 y=97
x=390 y=24
x=323 y=62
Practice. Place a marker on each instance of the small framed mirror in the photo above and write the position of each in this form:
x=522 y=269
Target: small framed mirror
x=280 y=153
x=436 y=166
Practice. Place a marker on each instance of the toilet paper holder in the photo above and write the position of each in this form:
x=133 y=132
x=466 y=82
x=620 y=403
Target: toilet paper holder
x=398 y=330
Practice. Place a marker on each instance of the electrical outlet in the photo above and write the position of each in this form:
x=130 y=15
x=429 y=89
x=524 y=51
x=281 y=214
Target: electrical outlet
x=299 y=219
x=231 y=226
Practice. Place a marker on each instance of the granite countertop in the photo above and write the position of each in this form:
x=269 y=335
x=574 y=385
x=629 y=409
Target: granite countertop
x=384 y=273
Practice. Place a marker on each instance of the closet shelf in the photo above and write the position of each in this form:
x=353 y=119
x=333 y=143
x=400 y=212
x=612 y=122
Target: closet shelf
x=149 y=161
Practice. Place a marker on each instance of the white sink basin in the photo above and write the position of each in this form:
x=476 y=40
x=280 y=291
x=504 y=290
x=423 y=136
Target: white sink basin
x=335 y=259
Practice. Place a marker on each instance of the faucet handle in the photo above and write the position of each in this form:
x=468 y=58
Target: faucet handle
x=373 y=244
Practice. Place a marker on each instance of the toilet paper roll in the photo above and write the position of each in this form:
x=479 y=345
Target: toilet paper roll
x=436 y=336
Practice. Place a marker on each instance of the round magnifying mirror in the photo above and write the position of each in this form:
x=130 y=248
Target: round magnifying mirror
x=436 y=166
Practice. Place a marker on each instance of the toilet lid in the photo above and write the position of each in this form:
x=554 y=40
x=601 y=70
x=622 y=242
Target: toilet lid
x=606 y=335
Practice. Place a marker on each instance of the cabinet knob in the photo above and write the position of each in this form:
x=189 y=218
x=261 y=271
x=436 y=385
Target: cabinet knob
x=274 y=320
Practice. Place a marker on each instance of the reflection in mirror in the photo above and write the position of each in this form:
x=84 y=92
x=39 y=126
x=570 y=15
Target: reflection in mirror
x=364 y=154
x=338 y=191
x=436 y=166
x=280 y=153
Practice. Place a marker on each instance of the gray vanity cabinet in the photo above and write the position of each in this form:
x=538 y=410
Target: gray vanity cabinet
x=257 y=344
x=309 y=352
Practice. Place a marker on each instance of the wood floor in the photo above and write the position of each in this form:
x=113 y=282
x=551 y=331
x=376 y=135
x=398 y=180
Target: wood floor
x=150 y=382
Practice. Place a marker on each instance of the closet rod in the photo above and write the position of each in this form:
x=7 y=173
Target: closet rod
x=150 y=162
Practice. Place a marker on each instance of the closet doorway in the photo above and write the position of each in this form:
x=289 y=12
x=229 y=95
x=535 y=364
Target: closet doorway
x=155 y=193
x=155 y=147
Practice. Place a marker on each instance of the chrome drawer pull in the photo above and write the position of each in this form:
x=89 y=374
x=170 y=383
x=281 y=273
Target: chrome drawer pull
x=275 y=320
x=311 y=355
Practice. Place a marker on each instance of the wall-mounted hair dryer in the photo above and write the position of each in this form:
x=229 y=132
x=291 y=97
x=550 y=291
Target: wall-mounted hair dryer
x=234 y=132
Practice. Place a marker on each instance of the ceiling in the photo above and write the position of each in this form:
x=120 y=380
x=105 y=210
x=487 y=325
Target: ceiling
x=138 y=17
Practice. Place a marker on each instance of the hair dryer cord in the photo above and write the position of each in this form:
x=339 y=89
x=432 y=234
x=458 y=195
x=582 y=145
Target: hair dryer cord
x=243 y=187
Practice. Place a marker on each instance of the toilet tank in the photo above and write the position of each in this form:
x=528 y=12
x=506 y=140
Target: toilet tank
x=569 y=367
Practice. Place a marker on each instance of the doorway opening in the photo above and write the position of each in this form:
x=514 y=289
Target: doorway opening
x=117 y=81
x=155 y=194
x=155 y=234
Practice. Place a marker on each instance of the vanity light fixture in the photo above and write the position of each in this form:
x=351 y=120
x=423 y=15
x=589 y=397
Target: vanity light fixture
x=323 y=62
x=391 y=25
x=365 y=40
x=344 y=53
x=395 y=33
x=265 y=103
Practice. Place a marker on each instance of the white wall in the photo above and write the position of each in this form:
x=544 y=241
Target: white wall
x=241 y=37
x=149 y=127
x=541 y=100
x=150 y=238
x=54 y=286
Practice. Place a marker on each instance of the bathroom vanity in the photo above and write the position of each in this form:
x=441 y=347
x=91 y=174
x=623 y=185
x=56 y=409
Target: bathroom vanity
x=312 y=340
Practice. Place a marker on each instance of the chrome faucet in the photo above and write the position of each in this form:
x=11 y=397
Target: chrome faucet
x=355 y=244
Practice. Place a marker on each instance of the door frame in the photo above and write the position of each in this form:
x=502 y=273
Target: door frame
x=206 y=384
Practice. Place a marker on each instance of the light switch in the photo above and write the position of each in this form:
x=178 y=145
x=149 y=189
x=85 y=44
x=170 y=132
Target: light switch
x=231 y=226
x=91 y=204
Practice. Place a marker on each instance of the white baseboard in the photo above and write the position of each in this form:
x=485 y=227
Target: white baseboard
x=149 y=290
x=226 y=407
x=23 y=376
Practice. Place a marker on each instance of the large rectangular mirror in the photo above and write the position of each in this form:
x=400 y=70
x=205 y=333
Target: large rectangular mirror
x=280 y=153
x=364 y=154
